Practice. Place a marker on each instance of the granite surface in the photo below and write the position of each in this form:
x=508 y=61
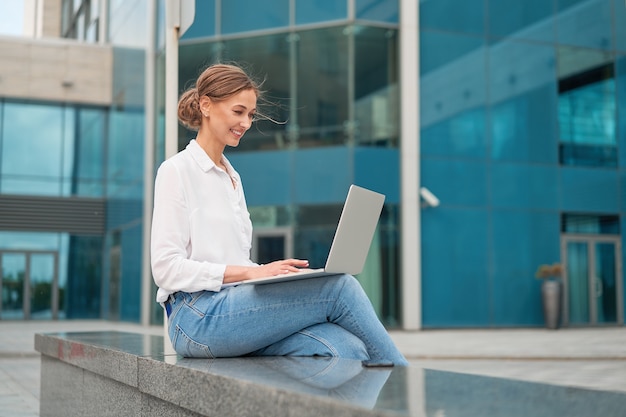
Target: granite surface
x=116 y=373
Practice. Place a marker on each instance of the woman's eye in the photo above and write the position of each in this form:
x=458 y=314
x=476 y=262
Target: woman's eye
x=239 y=112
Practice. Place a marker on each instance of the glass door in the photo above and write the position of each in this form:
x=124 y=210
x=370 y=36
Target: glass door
x=592 y=281
x=12 y=285
x=43 y=286
x=29 y=285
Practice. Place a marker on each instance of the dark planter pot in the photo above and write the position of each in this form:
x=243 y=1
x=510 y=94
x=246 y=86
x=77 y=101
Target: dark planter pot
x=551 y=298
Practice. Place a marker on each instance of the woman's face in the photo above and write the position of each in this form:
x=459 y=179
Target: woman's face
x=228 y=120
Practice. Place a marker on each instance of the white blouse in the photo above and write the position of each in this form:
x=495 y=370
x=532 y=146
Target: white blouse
x=200 y=223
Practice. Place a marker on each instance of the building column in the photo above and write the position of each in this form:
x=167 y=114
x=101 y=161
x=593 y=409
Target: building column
x=411 y=252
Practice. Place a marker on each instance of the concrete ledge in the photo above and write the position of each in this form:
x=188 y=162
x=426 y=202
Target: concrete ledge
x=127 y=374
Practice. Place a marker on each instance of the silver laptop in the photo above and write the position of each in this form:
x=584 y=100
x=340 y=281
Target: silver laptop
x=351 y=243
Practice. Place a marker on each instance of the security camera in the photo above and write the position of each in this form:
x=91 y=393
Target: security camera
x=429 y=198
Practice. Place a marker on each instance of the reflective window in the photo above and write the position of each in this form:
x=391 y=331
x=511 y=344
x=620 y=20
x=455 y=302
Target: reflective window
x=311 y=11
x=204 y=21
x=453 y=95
x=125 y=154
x=87 y=171
x=377 y=10
x=127 y=25
x=248 y=15
x=590 y=224
x=65 y=157
x=453 y=15
x=32 y=149
x=587 y=109
x=528 y=19
x=586 y=23
x=376 y=98
x=524 y=103
x=308 y=85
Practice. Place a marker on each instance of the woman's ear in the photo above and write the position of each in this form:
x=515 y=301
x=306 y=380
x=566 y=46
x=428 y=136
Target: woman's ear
x=205 y=106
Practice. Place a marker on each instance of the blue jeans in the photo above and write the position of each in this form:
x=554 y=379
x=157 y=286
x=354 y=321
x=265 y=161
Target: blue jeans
x=329 y=316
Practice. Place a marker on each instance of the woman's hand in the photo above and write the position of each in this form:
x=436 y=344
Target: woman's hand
x=278 y=268
x=235 y=273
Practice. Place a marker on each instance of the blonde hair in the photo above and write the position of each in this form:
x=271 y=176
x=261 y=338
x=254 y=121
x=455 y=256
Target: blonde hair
x=218 y=82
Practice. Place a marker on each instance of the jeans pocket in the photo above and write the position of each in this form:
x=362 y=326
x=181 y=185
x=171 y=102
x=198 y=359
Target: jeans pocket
x=189 y=348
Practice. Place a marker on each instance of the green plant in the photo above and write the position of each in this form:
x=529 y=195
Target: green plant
x=548 y=271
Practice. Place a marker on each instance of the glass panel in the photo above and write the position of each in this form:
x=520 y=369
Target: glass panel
x=376 y=87
x=311 y=11
x=522 y=91
x=127 y=25
x=453 y=15
x=605 y=283
x=453 y=95
x=42 y=272
x=248 y=15
x=203 y=24
x=578 y=282
x=24 y=166
x=586 y=23
x=89 y=146
x=532 y=19
x=13 y=276
x=322 y=88
x=378 y=10
x=580 y=223
x=587 y=108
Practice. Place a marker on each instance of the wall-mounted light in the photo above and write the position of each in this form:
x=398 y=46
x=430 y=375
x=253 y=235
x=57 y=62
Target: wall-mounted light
x=428 y=198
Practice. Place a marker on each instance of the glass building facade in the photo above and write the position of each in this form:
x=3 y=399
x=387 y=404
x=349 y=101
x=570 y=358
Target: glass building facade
x=521 y=138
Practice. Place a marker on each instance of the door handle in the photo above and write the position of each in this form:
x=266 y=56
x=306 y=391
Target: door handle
x=599 y=287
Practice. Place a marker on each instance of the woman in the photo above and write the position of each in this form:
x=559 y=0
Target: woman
x=201 y=239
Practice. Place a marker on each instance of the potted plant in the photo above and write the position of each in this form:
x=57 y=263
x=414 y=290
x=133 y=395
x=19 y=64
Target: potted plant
x=551 y=290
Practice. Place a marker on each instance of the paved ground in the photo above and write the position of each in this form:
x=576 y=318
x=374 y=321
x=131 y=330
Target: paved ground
x=588 y=358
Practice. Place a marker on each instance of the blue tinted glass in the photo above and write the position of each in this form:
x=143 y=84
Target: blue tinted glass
x=585 y=23
x=525 y=186
x=376 y=87
x=582 y=223
x=528 y=19
x=521 y=242
x=125 y=154
x=456 y=53
x=27 y=168
x=620 y=89
x=377 y=10
x=29 y=240
x=265 y=176
x=247 y=15
x=453 y=94
x=88 y=167
x=587 y=117
x=455 y=182
x=321 y=175
x=204 y=21
x=378 y=169
x=619 y=24
x=311 y=11
x=455 y=247
x=589 y=190
x=523 y=93
x=453 y=15
x=127 y=24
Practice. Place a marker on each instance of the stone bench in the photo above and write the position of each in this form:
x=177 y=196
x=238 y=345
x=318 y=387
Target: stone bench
x=128 y=374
